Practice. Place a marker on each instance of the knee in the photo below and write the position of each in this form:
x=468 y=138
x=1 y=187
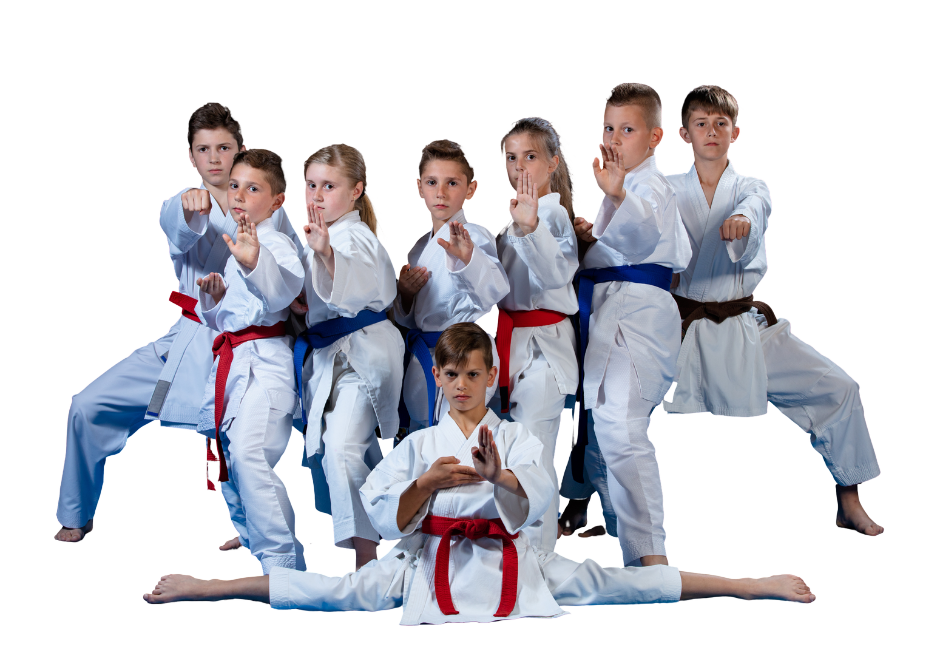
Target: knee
x=843 y=388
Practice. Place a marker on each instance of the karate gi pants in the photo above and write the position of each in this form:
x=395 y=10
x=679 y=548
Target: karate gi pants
x=101 y=419
x=382 y=584
x=595 y=479
x=350 y=452
x=256 y=498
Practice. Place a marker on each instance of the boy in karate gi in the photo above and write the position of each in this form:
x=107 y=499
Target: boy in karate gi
x=628 y=322
x=736 y=355
x=453 y=275
x=165 y=379
x=250 y=396
x=458 y=506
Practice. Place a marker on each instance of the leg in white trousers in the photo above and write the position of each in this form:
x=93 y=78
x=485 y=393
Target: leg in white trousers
x=255 y=495
x=621 y=421
x=351 y=451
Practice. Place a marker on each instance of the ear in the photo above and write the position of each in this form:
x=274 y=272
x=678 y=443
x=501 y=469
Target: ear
x=553 y=165
x=686 y=137
x=420 y=190
x=191 y=158
x=471 y=190
x=278 y=202
x=357 y=190
x=437 y=376
x=491 y=379
x=656 y=137
x=243 y=148
x=734 y=134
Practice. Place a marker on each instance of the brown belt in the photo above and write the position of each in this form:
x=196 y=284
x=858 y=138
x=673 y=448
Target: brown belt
x=719 y=311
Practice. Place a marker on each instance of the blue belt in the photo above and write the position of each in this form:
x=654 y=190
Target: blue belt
x=417 y=342
x=323 y=334
x=656 y=275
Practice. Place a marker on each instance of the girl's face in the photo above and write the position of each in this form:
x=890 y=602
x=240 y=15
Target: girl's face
x=444 y=187
x=330 y=191
x=524 y=153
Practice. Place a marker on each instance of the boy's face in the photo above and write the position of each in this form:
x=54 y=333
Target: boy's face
x=625 y=131
x=331 y=192
x=212 y=154
x=523 y=153
x=465 y=385
x=250 y=193
x=710 y=134
x=444 y=187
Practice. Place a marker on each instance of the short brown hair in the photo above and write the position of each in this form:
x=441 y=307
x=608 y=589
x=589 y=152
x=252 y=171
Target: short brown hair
x=711 y=99
x=267 y=162
x=644 y=96
x=211 y=116
x=458 y=341
x=445 y=149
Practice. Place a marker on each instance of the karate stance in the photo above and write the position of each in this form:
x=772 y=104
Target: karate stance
x=453 y=275
x=165 y=379
x=458 y=508
x=534 y=338
x=351 y=355
x=250 y=397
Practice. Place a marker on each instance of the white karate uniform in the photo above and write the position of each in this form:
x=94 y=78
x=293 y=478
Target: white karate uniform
x=162 y=380
x=632 y=350
x=543 y=363
x=454 y=293
x=353 y=385
x=405 y=577
x=735 y=367
x=259 y=397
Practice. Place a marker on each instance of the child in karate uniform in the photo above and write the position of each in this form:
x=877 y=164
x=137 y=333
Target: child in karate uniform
x=352 y=378
x=165 y=379
x=627 y=317
x=535 y=339
x=453 y=275
x=458 y=508
x=249 y=400
x=736 y=355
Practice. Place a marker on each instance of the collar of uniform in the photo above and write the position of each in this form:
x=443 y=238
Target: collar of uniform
x=347 y=219
x=554 y=197
x=491 y=420
x=649 y=164
x=459 y=218
x=265 y=225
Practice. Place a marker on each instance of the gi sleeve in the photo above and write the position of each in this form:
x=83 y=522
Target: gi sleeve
x=522 y=454
x=550 y=251
x=278 y=277
x=634 y=229
x=280 y=221
x=482 y=280
x=358 y=274
x=754 y=203
x=382 y=491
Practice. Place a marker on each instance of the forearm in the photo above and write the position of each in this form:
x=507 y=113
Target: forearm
x=411 y=502
x=508 y=481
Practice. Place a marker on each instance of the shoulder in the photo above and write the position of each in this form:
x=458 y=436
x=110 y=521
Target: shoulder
x=479 y=234
x=555 y=217
x=277 y=242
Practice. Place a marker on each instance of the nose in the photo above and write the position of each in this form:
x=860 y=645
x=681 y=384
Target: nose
x=215 y=155
x=712 y=130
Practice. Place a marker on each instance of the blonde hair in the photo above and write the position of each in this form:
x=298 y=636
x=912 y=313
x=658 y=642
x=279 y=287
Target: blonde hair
x=550 y=144
x=349 y=161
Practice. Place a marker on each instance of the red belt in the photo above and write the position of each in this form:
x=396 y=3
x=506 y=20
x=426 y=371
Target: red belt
x=187 y=303
x=509 y=319
x=223 y=348
x=474 y=529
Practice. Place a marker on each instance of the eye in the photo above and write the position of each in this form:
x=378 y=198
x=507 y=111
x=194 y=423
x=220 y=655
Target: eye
x=253 y=188
x=530 y=157
x=450 y=375
x=328 y=186
x=627 y=129
x=233 y=185
x=430 y=183
x=311 y=185
x=511 y=158
x=202 y=149
x=224 y=148
x=608 y=128
x=700 y=124
x=452 y=183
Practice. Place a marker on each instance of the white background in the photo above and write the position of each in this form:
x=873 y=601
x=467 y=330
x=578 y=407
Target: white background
x=838 y=115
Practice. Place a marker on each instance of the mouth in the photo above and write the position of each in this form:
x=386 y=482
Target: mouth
x=238 y=210
x=215 y=170
x=461 y=398
x=440 y=206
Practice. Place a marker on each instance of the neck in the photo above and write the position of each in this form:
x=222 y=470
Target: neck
x=649 y=153
x=220 y=194
x=467 y=421
x=709 y=171
x=545 y=188
x=437 y=224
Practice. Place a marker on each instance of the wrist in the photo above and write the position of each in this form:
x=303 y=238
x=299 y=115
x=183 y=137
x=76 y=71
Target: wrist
x=617 y=197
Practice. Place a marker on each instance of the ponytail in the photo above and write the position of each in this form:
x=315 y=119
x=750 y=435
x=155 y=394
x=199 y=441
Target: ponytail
x=366 y=213
x=561 y=183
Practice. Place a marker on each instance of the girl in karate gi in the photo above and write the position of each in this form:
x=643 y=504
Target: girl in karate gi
x=249 y=399
x=458 y=495
x=453 y=275
x=538 y=250
x=352 y=377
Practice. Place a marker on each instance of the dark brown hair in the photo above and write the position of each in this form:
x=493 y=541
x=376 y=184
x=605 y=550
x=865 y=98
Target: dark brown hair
x=445 y=149
x=644 y=96
x=458 y=341
x=711 y=99
x=550 y=144
x=211 y=116
x=350 y=161
x=267 y=162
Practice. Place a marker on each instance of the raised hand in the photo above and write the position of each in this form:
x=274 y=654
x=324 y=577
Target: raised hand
x=213 y=285
x=246 y=248
x=410 y=281
x=610 y=177
x=197 y=200
x=736 y=227
x=486 y=459
x=446 y=472
x=317 y=232
x=583 y=228
x=460 y=245
x=525 y=207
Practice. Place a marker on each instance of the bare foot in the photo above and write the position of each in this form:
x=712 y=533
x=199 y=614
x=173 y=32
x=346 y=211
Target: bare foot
x=851 y=515
x=574 y=517
x=593 y=531
x=176 y=588
x=231 y=544
x=780 y=587
x=74 y=535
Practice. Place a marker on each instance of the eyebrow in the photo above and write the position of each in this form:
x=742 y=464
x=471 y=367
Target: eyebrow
x=246 y=182
x=224 y=143
x=325 y=182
